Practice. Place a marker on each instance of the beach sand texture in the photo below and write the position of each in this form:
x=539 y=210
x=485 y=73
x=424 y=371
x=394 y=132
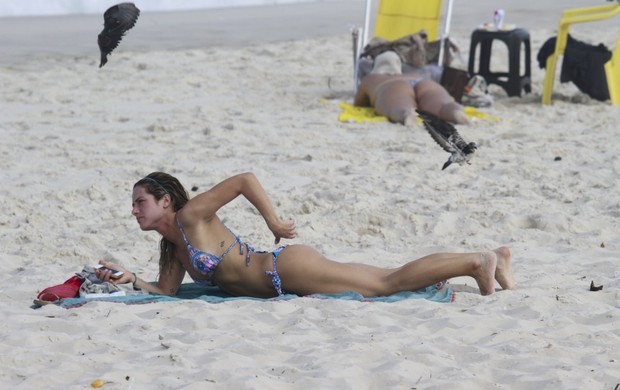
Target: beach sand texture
x=544 y=182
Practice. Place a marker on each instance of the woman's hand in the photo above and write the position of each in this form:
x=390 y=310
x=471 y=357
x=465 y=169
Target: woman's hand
x=106 y=275
x=283 y=229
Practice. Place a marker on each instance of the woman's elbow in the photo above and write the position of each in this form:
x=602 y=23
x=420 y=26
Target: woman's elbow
x=361 y=101
x=172 y=292
x=248 y=175
x=163 y=290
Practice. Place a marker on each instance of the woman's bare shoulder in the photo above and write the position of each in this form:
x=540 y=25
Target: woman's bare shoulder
x=188 y=215
x=193 y=213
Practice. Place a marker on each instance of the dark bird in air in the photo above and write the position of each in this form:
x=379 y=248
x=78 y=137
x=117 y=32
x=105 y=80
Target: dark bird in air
x=117 y=20
x=446 y=135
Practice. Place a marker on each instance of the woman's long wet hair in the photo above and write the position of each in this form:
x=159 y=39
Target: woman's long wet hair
x=160 y=184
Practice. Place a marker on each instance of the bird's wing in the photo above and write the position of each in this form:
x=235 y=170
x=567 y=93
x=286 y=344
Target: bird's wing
x=441 y=131
x=458 y=141
x=117 y=20
x=120 y=18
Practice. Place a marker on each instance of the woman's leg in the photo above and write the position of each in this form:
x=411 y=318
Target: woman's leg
x=304 y=271
x=434 y=98
x=485 y=267
x=397 y=101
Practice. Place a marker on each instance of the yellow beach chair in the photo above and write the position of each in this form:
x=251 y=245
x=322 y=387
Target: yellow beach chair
x=397 y=18
x=584 y=15
x=612 y=71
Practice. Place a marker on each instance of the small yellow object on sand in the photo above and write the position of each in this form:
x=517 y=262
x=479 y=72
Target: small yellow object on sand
x=473 y=112
x=97 y=383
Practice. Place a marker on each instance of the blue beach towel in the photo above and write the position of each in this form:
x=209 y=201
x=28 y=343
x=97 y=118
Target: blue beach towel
x=440 y=292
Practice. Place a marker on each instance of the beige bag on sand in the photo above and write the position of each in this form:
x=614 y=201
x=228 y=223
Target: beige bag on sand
x=411 y=48
x=414 y=49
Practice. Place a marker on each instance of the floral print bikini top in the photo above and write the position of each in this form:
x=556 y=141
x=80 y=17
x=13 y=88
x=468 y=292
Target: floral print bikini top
x=204 y=262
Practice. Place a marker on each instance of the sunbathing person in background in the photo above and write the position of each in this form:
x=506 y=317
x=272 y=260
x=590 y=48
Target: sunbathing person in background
x=196 y=241
x=396 y=95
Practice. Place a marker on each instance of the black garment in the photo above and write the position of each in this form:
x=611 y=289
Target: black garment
x=583 y=64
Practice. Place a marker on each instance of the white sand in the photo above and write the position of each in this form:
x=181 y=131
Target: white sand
x=75 y=138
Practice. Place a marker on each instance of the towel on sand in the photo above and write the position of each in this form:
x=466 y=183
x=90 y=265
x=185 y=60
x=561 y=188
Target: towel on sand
x=352 y=113
x=440 y=292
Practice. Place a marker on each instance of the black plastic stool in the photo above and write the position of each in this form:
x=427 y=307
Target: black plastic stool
x=513 y=81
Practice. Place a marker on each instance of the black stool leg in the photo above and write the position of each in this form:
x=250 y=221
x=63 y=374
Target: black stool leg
x=527 y=79
x=513 y=87
x=472 y=54
x=485 y=57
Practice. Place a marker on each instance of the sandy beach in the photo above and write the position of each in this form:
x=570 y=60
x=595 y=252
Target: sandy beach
x=203 y=103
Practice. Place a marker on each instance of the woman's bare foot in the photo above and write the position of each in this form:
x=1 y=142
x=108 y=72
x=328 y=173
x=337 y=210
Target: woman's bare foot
x=460 y=118
x=503 y=272
x=411 y=119
x=484 y=273
x=454 y=113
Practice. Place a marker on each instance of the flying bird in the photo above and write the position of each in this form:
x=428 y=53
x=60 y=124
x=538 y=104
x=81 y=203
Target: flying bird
x=446 y=135
x=117 y=20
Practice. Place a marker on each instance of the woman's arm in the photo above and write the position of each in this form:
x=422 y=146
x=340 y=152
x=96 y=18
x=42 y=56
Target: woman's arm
x=168 y=283
x=208 y=203
x=361 y=98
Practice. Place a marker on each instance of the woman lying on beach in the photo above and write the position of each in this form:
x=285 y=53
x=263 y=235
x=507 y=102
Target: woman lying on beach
x=196 y=241
x=396 y=95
